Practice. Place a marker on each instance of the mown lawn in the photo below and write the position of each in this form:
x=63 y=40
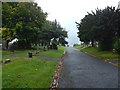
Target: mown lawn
x=54 y=53
x=18 y=54
x=24 y=72
x=28 y=73
x=100 y=54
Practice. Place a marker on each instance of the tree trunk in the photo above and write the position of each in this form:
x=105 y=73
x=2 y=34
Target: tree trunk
x=92 y=42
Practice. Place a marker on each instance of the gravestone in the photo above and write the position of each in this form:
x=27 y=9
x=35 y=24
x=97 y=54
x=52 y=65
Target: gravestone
x=29 y=54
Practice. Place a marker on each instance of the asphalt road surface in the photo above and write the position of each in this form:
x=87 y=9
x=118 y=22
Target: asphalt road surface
x=81 y=70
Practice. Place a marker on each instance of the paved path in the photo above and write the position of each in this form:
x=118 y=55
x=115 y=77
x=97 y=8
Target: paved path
x=81 y=70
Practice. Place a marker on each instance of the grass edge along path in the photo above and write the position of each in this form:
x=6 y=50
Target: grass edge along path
x=54 y=84
x=107 y=56
x=23 y=79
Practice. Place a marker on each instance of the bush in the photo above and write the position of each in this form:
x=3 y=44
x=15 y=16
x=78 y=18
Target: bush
x=22 y=44
x=117 y=46
x=105 y=45
x=54 y=44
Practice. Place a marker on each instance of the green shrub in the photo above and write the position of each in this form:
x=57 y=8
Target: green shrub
x=117 y=46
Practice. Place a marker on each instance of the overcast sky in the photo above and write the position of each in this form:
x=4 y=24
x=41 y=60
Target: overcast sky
x=67 y=12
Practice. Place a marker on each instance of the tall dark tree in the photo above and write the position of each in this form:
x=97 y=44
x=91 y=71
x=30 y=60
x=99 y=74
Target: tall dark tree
x=26 y=19
x=96 y=26
x=53 y=31
x=27 y=22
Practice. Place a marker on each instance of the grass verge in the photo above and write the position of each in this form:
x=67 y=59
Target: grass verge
x=104 y=55
x=100 y=54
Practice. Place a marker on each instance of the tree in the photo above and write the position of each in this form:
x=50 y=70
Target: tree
x=26 y=19
x=96 y=27
x=27 y=22
x=52 y=33
x=62 y=37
